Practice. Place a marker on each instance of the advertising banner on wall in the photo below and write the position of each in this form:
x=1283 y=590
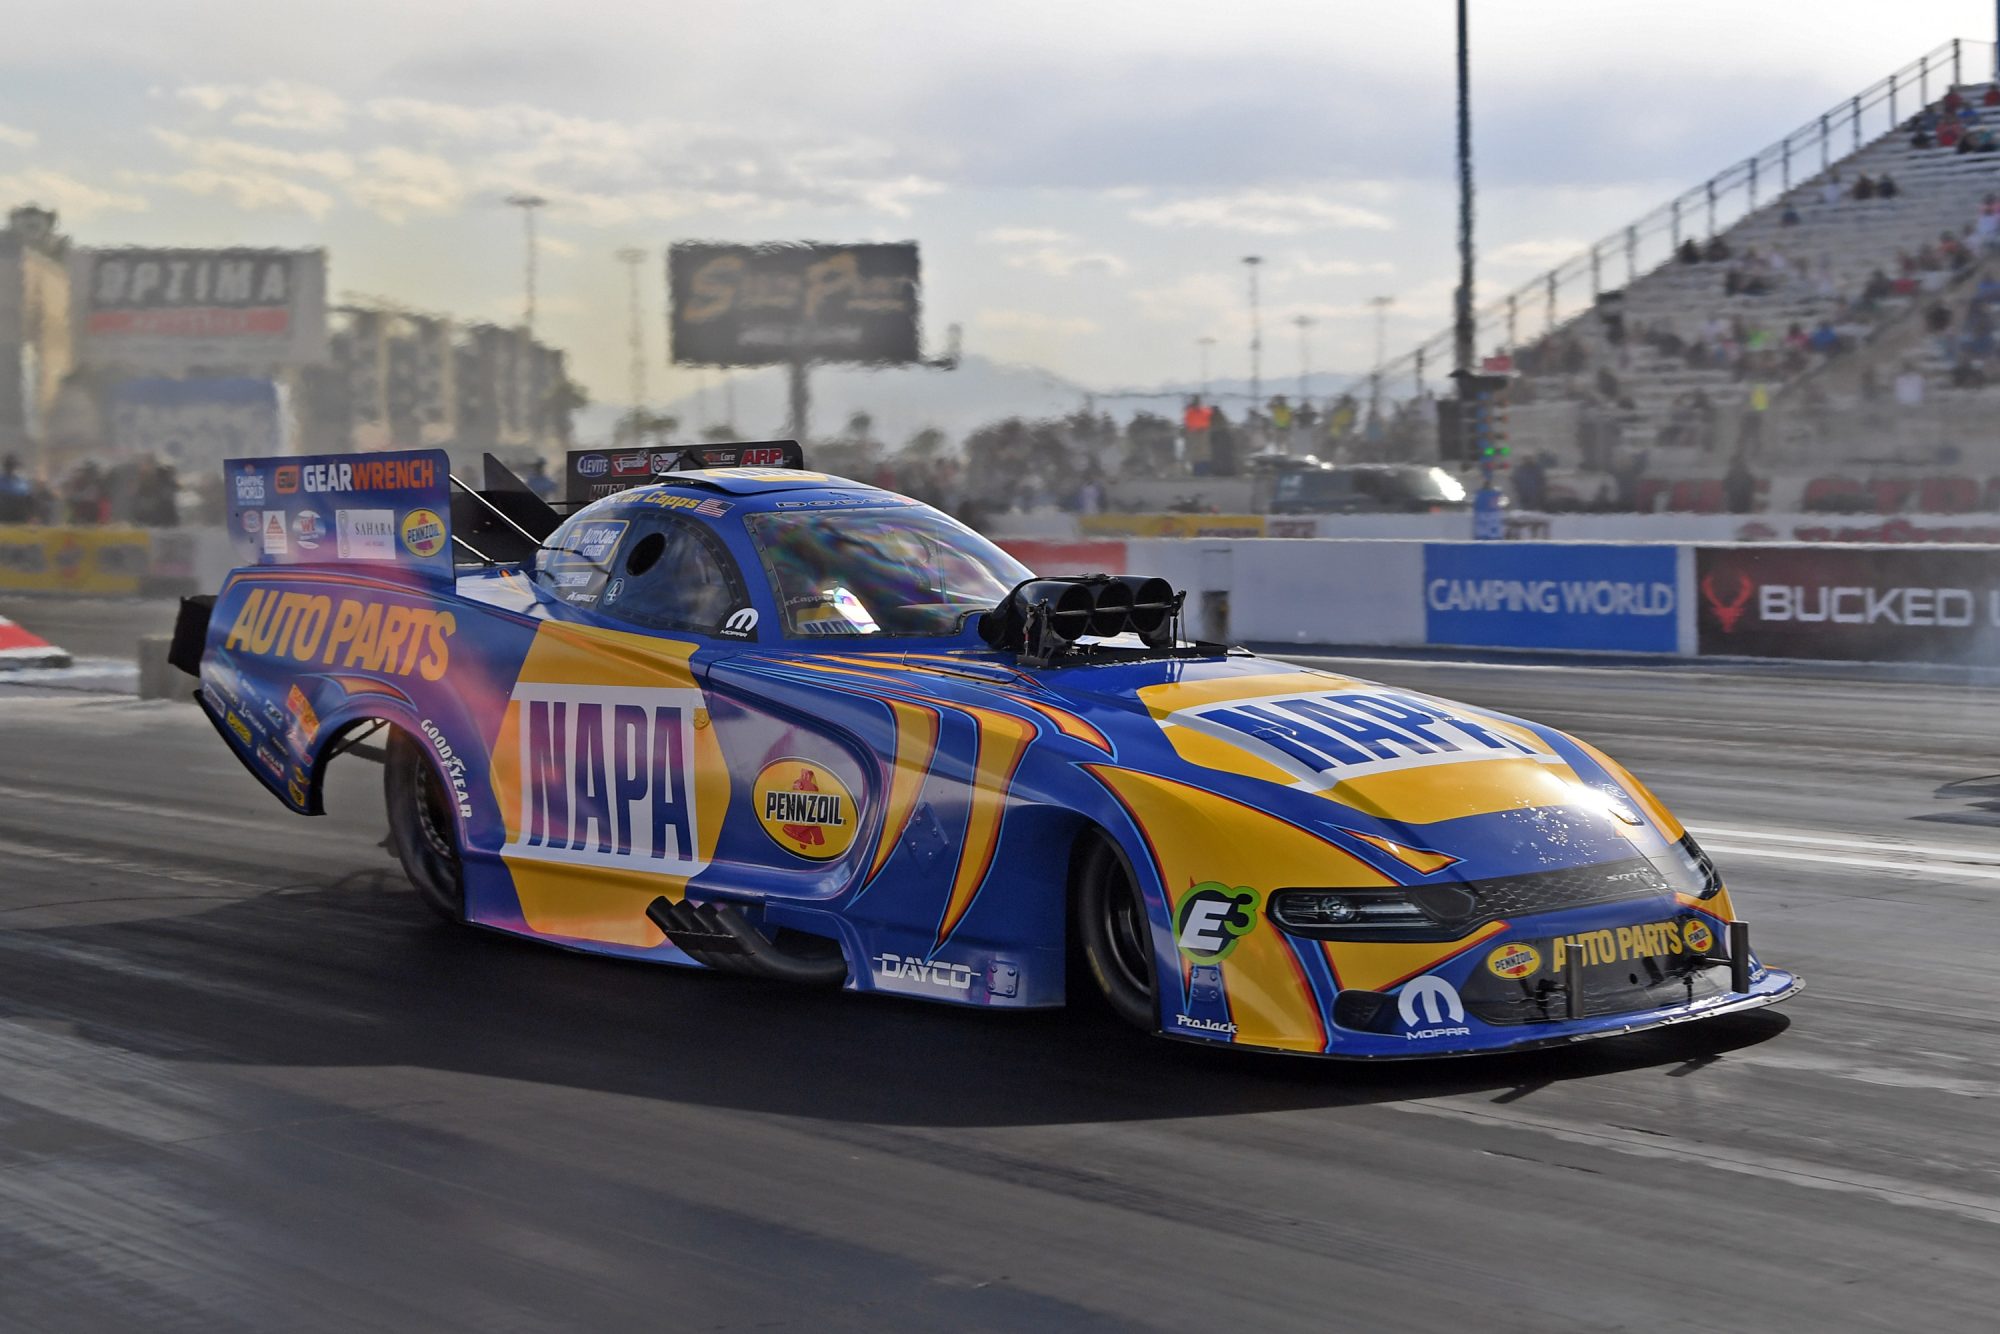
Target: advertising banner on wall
x=175 y=310
x=103 y=561
x=1619 y=599
x=195 y=422
x=744 y=305
x=1862 y=603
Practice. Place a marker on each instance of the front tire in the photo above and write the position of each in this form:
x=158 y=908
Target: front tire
x=1116 y=935
x=423 y=826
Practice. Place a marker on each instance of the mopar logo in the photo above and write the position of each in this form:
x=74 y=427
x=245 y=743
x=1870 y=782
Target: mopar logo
x=742 y=621
x=593 y=465
x=1433 y=1001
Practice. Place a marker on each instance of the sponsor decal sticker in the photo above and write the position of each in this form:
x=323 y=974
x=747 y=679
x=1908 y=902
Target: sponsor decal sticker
x=296 y=792
x=276 y=542
x=593 y=465
x=1204 y=1025
x=347 y=633
x=1700 y=940
x=805 y=809
x=1514 y=962
x=1430 y=1008
x=301 y=709
x=1212 y=918
x=740 y=624
x=237 y=726
x=308 y=529
x=703 y=505
x=249 y=487
x=1340 y=735
x=1652 y=940
x=365 y=534
x=934 y=973
x=454 y=767
x=286 y=478
x=253 y=521
x=606 y=776
x=423 y=532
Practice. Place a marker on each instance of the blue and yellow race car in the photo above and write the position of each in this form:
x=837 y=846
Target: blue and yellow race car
x=738 y=715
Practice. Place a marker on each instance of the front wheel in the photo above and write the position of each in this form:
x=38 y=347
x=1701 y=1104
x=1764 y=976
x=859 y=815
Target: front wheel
x=1116 y=935
x=423 y=826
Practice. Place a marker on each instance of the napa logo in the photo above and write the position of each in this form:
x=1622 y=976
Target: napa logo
x=606 y=777
x=1347 y=734
x=805 y=809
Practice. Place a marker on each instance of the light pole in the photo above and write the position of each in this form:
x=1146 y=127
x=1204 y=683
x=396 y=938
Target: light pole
x=1251 y=262
x=1462 y=331
x=528 y=204
x=1204 y=343
x=1381 y=306
x=632 y=258
x=1304 y=323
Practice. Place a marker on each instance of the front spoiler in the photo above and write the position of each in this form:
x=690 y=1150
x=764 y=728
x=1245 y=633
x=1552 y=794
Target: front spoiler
x=1769 y=987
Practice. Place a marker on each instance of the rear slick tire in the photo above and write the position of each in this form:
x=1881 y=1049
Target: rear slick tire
x=423 y=826
x=1117 y=935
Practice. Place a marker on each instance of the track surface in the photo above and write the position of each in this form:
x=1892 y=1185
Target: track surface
x=247 y=1084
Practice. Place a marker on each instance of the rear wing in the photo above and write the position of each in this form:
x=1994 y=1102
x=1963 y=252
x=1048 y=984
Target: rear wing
x=593 y=474
x=391 y=510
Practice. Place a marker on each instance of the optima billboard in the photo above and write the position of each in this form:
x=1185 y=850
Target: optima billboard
x=739 y=305
x=173 y=310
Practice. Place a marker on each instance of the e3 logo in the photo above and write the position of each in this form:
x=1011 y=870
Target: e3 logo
x=1212 y=918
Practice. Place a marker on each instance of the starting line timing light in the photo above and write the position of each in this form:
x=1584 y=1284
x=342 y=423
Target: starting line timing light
x=1478 y=422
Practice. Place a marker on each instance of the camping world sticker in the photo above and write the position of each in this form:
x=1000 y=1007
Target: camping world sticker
x=805 y=809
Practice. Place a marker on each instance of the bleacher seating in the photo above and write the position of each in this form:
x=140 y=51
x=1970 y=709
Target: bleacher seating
x=1829 y=254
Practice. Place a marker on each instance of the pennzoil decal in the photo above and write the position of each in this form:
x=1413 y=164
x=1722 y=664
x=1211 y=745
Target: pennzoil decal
x=1514 y=962
x=805 y=809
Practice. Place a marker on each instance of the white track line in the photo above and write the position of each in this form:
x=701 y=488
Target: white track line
x=1946 y=861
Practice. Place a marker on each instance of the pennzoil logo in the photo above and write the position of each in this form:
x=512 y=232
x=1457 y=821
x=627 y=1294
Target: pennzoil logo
x=423 y=532
x=1514 y=962
x=805 y=809
x=1700 y=940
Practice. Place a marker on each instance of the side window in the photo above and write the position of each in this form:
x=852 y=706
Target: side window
x=672 y=574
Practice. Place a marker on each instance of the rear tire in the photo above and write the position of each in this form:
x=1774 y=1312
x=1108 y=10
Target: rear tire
x=423 y=826
x=1116 y=934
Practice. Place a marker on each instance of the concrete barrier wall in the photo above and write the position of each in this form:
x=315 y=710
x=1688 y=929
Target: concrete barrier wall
x=1835 y=601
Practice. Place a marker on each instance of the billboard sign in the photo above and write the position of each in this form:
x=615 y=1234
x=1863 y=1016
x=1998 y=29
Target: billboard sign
x=172 y=310
x=1858 y=603
x=199 y=422
x=593 y=474
x=743 y=305
x=1595 y=596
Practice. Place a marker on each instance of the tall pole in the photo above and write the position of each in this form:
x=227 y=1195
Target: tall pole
x=1462 y=340
x=1381 y=305
x=528 y=204
x=1204 y=343
x=632 y=258
x=1251 y=262
x=1304 y=322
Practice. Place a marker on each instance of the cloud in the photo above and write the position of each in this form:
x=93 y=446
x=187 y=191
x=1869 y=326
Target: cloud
x=397 y=184
x=248 y=190
x=611 y=172
x=275 y=104
x=1217 y=300
x=1337 y=268
x=76 y=200
x=236 y=155
x=1035 y=323
x=1262 y=213
x=1533 y=255
x=18 y=138
x=1025 y=236
x=1052 y=251
x=556 y=246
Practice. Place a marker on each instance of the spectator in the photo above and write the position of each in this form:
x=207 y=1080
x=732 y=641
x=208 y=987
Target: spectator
x=1717 y=251
x=1531 y=484
x=1688 y=252
x=1739 y=486
x=1831 y=192
x=1886 y=187
x=1790 y=217
x=1992 y=96
x=1910 y=388
x=1921 y=137
x=1824 y=339
x=1947 y=132
x=86 y=496
x=1952 y=101
x=1864 y=188
x=17 y=497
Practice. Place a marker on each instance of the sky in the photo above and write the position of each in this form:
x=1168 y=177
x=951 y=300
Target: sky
x=1084 y=179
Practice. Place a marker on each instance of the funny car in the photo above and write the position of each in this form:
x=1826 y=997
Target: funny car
x=729 y=713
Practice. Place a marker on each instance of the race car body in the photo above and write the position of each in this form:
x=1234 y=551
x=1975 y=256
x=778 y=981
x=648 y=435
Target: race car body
x=772 y=721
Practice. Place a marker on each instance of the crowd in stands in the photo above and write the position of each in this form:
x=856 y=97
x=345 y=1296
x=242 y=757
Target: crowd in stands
x=141 y=491
x=1957 y=124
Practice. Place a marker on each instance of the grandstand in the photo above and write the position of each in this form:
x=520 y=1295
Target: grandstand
x=1684 y=357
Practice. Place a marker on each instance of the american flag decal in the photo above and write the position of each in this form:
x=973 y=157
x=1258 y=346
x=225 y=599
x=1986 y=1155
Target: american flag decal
x=714 y=509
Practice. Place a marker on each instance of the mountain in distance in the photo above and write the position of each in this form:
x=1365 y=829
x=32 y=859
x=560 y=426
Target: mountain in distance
x=905 y=400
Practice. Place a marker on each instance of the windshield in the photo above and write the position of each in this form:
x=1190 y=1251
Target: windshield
x=887 y=571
